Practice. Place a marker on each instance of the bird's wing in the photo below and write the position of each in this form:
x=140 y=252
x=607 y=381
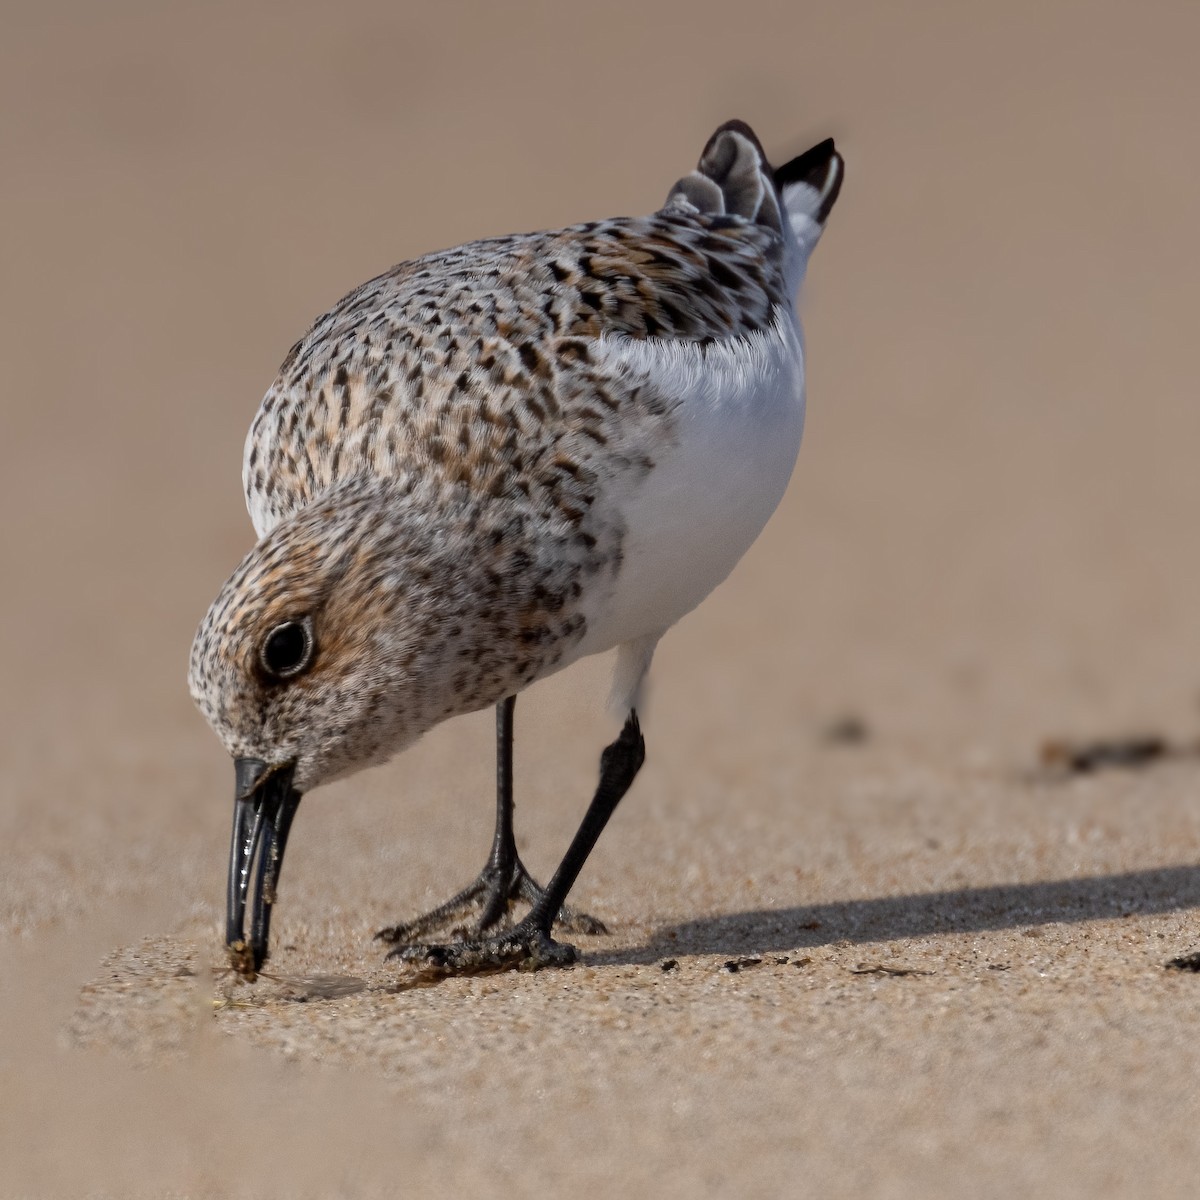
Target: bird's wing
x=483 y=363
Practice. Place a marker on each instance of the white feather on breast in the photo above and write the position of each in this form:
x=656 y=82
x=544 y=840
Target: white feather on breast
x=710 y=493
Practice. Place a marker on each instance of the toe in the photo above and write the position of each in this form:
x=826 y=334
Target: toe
x=546 y=952
x=528 y=951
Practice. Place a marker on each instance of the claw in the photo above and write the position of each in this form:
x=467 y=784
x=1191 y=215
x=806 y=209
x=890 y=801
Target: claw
x=492 y=897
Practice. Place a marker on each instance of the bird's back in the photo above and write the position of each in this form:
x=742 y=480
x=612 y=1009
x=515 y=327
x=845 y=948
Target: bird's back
x=447 y=363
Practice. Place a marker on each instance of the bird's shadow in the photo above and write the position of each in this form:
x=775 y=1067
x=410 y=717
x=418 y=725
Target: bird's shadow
x=892 y=918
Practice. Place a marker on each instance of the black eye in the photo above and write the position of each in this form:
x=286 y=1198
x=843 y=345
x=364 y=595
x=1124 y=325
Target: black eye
x=288 y=649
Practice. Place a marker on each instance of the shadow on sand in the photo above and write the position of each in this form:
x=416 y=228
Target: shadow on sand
x=1005 y=906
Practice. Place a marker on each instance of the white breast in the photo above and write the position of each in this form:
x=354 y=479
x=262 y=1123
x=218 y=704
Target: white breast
x=710 y=493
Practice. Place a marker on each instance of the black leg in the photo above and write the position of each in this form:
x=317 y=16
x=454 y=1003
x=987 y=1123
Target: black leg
x=530 y=941
x=503 y=862
x=504 y=844
x=619 y=765
x=503 y=880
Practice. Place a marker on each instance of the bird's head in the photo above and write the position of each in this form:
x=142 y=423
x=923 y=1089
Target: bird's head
x=322 y=653
x=307 y=657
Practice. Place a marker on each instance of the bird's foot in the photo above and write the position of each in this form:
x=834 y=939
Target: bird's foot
x=525 y=947
x=485 y=904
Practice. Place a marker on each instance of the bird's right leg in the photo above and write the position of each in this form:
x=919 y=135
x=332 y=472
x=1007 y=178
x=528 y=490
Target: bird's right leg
x=487 y=902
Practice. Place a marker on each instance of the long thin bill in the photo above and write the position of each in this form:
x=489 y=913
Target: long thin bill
x=264 y=806
x=276 y=828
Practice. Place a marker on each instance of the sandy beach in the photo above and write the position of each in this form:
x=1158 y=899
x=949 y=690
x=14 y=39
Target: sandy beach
x=871 y=934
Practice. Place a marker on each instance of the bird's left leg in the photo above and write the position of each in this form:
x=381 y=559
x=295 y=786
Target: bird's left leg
x=486 y=902
x=530 y=942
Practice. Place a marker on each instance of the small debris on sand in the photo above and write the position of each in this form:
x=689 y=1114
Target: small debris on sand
x=847 y=730
x=1082 y=758
x=883 y=969
x=241 y=961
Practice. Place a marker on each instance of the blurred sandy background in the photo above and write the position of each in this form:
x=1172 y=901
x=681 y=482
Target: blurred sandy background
x=990 y=541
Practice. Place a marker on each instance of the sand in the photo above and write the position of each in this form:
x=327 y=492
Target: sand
x=947 y=957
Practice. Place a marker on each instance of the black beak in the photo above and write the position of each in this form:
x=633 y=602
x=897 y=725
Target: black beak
x=264 y=804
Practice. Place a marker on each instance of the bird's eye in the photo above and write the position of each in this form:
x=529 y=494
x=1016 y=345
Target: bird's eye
x=288 y=649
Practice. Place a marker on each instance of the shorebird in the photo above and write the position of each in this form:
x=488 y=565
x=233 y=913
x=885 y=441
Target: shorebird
x=482 y=466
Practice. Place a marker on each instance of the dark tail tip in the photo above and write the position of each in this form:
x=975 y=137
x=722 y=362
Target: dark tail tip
x=820 y=168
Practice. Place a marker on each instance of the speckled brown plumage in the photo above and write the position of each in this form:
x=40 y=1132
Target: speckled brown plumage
x=475 y=363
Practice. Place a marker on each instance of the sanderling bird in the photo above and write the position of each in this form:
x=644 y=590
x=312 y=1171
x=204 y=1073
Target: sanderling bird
x=482 y=466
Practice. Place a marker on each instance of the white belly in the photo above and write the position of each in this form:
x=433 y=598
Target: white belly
x=709 y=495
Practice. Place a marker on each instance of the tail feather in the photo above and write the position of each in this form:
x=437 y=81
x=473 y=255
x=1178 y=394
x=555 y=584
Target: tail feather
x=810 y=183
x=734 y=177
